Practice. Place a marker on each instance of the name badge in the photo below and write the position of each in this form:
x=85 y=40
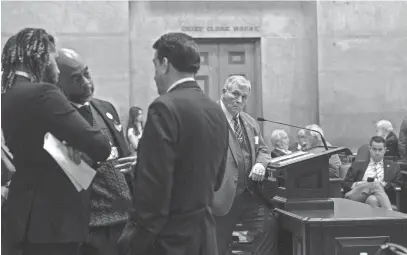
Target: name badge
x=256 y=140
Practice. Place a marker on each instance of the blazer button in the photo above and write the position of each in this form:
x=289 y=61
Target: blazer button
x=235 y=181
x=30 y=186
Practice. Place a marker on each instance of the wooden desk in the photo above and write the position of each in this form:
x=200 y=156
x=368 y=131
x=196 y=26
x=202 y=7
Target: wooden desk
x=349 y=229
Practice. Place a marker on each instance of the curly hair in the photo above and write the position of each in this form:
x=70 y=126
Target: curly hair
x=30 y=49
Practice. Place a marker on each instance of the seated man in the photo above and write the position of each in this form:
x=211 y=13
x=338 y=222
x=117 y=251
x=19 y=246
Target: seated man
x=384 y=128
x=313 y=139
x=373 y=181
x=280 y=141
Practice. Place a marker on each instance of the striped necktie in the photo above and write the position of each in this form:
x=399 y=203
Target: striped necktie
x=238 y=130
x=379 y=175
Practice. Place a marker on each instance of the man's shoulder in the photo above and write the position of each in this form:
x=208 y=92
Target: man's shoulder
x=359 y=164
x=246 y=117
x=103 y=103
x=391 y=164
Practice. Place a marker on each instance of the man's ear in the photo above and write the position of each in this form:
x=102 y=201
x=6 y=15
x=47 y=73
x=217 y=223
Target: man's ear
x=166 y=64
x=223 y=90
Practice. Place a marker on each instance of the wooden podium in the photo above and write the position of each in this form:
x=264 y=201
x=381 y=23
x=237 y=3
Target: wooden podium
x=303 y=179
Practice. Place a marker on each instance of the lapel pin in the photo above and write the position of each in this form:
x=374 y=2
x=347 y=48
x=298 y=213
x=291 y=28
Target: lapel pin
x=109 y=115
x=118 y=127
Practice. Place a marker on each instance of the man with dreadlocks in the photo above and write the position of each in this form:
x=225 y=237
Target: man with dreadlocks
x=109 y=192
x=44 y=213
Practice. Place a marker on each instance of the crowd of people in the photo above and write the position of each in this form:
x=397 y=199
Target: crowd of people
x=176 y=184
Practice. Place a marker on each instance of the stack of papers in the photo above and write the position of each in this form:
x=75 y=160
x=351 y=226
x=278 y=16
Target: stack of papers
x=81 y=175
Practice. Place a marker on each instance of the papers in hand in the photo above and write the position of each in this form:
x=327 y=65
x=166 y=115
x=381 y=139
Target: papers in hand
x=80 y=175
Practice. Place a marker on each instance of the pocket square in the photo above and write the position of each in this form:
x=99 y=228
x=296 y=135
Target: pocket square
x=256 y=140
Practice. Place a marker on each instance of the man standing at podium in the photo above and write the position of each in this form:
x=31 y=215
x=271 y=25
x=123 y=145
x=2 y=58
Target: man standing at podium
x=238 y=200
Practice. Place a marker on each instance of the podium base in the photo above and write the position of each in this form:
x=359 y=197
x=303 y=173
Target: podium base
x=303 y=204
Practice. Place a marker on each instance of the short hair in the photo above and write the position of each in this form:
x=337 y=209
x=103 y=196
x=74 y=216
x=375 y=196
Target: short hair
x=181 y=51
x=312 y=133
x=30 y=47
x=236 y=79
x=377 y=139
x=384 y=125
x=301 y=132
x=276 y=135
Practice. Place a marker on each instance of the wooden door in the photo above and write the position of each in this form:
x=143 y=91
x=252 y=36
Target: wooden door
x=221 y=59
x=239 y=59
x=208 y=75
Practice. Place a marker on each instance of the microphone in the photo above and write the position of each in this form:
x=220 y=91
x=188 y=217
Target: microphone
x=284 y=124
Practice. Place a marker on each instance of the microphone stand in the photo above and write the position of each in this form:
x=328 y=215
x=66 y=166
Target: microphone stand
x=284 y=124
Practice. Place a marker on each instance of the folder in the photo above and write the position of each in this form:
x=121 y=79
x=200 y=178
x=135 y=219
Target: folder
x=81 y=175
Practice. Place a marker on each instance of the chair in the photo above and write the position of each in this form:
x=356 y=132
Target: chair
x=363 y=154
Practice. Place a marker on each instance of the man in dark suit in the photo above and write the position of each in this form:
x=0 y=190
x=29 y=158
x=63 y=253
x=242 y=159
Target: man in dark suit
x=239 y=199
x=384 y=128
x=373 y=181
x=44 y=212
x=109 y=192
x=180 y=160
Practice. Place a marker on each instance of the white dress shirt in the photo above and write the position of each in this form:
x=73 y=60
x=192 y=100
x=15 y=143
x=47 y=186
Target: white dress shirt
x=179 y=82
x=374 y=170
x=229 y=116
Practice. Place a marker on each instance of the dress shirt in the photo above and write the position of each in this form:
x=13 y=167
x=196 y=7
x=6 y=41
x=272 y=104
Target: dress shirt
x=229 y=116
x=374 y=170
x=179 y=82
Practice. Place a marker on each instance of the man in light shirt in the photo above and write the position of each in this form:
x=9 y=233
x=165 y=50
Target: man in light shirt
x=373 y=181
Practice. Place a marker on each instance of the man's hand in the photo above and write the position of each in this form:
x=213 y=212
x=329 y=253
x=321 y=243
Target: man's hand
x=258 y=172
x=125 y=165
x=356 y=184
x=73 y=154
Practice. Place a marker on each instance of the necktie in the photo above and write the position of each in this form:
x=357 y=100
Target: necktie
x=379 y=174
x=86 y=112
x=238 y=130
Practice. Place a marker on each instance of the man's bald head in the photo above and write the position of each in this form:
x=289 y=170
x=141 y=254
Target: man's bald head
x=74 y=77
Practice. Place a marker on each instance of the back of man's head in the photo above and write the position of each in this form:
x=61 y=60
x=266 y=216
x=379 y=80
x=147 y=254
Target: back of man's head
x=181 y=51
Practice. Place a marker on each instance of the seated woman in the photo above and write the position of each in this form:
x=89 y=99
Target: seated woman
x=280 y=141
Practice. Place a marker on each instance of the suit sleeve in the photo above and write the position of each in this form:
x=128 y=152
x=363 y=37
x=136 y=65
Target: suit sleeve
x=222 y=168
x=349 y=178
x=402 y=144
x=66 y=124
x=264 y=154
x=397 y=181
x=154 y=173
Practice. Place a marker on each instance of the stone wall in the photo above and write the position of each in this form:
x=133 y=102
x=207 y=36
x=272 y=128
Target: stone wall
x=362 y=49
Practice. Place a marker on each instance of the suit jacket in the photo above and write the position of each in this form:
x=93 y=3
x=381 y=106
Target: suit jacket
x=392 y=145
x=277 y=153
x=260 y=153
x=181 y=161
x=105 y=109
x=391 y=176
x=43 y=205
x=403 y=139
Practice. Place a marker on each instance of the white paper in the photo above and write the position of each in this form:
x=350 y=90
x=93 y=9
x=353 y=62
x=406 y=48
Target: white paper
x=80 y=175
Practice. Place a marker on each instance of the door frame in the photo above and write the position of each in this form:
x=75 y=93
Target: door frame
x=257 y=63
